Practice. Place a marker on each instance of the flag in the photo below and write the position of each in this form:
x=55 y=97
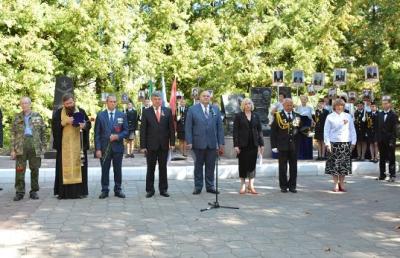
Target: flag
x=150 y=89
x=172 y=99
x=163 y=92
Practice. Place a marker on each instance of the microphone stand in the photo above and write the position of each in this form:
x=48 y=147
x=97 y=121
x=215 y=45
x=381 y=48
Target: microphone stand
x=215 y=205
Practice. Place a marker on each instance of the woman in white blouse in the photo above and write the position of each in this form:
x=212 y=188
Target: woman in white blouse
x=339 y=138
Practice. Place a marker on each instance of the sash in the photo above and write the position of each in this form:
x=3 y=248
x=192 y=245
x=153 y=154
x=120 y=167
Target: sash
x=70 y=147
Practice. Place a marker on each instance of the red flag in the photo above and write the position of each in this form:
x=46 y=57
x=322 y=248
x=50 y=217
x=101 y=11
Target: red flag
x=172 y=99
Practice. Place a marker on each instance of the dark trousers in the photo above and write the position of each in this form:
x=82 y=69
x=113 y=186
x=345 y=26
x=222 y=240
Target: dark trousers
x=116 y=159
x=205 y=158
x=152 y=157
x=285 y=157
x=386 y=153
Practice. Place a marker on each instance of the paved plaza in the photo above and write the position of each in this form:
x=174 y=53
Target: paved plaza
x=315 y=222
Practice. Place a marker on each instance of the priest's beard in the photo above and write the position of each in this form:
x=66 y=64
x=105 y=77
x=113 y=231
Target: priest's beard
x=70 y=110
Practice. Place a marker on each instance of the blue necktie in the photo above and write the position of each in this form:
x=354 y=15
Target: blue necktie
x=111 y=118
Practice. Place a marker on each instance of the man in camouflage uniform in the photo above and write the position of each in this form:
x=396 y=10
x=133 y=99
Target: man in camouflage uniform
x=27 y=143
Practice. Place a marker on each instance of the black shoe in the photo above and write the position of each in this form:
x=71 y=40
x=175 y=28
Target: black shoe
x=293 y=190
x=391 y=180
x=103 y=195
x=1 y=189
x=380 y=178
x=212 y=191
x=132 y=155
x=127 y=156
x=284 y=190
x=196 y=192
x=34 y=196
x=119 y=194
x=149 y=194
x=165 y=194
x=18 y=197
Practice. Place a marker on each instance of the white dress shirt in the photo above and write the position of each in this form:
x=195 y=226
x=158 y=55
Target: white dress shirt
x=109 y=114
x=338 y=130
x=204 y=108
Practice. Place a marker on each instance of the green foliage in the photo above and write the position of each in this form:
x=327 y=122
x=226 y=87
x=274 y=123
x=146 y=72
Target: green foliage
x=227 y=46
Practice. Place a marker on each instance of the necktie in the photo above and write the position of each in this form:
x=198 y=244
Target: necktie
x=206 y=112
x=385 y=116
x=111 y=118
x=289 y=116
x=158 y=114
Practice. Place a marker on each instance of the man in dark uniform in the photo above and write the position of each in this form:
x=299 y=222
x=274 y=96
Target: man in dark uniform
x=386 y=136
x=361 y=130
x=284 y=134
x=132 y=117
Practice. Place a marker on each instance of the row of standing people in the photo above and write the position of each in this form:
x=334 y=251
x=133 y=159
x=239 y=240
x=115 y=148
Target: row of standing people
x=71 y=141
x=203 y=134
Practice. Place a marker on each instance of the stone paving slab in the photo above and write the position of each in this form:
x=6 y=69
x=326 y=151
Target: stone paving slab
x=315 y=222
x=135 y=169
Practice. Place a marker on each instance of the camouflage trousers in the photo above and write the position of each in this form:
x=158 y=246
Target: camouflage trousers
x=29 y=154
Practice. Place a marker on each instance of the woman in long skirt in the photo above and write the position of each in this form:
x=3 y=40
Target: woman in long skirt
x=340 y=139
x=248 y=142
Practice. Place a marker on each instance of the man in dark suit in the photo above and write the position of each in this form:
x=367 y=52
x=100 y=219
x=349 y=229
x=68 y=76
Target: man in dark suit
x=205 y=135
x=157 y=134
x=110 y=130
x=284 y=134
x=386 y=136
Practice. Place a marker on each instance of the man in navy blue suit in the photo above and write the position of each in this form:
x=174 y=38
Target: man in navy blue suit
x=110 y=129
x=205 y=135
x=157 y=136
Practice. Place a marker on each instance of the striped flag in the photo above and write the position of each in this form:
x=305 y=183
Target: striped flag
x=172 y=99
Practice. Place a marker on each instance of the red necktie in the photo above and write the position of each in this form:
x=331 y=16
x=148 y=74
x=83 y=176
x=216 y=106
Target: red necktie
x=158 y=115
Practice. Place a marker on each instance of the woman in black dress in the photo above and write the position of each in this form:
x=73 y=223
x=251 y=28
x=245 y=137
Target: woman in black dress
x=372 y=126
x=248 y=142
x=181 y=113
x=320 y=116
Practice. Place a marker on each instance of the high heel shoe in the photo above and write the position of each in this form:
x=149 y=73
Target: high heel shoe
x=341 y=189
x=252 y=190
x=242 y=190
x=336 y=189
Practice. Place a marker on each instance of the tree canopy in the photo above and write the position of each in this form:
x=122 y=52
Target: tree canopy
x=224 y=45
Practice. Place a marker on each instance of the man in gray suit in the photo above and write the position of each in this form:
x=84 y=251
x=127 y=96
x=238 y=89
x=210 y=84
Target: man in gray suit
x=205 y=135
